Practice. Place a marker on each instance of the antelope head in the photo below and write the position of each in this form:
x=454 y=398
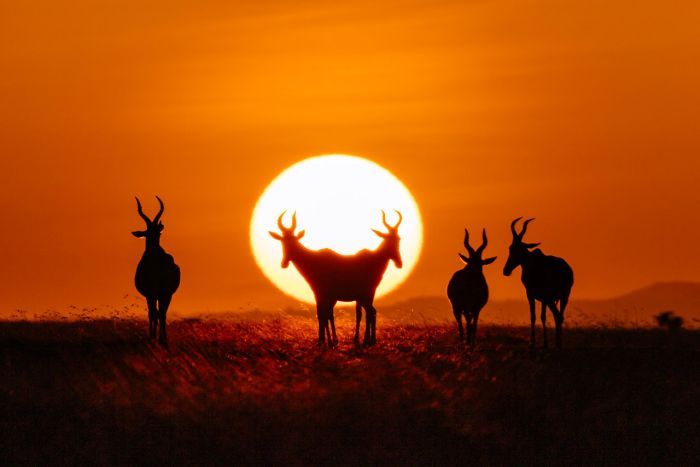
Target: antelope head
x=391 y=239
x=518 y=249
x=153 y=227
x=288 y=237
x=475 y=259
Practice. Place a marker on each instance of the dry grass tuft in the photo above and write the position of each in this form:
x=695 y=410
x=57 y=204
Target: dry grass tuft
x=250 y=392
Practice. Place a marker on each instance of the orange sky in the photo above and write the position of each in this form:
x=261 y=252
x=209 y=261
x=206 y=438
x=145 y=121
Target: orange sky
x=583 y=114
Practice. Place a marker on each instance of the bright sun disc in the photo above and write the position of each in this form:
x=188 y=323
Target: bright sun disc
x=337 y=199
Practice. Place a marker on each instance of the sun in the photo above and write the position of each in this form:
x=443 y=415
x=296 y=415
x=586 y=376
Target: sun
x=338 y=200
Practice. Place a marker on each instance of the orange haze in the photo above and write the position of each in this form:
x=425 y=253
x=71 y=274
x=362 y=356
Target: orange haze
x=583 y=114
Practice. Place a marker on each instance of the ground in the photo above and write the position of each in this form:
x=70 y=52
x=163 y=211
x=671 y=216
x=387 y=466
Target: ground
x=251 y=392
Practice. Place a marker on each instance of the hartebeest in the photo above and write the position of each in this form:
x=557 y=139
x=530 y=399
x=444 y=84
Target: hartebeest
x=157 y=275
x=468 y=291
x=341 y=278
x=546 y=278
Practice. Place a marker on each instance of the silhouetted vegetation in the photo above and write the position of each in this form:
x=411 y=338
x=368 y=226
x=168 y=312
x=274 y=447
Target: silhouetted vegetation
x=669 y=320
x=100 y=392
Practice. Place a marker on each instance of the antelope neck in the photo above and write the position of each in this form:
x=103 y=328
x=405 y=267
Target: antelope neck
x=153 y=245
x=530 y=255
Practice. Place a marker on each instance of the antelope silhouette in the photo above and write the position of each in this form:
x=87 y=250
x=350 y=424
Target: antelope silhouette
x=341 y=278
x=468 y=291
x=157 y=275
x=547 y=279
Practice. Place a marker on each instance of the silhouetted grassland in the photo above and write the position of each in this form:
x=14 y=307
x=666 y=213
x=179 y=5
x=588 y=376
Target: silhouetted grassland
x=243 y=392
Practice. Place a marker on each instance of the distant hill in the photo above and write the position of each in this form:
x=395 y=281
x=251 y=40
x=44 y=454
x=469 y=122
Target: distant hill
x=637 y=307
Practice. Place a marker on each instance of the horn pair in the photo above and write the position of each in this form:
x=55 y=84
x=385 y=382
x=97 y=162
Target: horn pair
x=520 y=235
x=292 y=227
x=478 y=251
x=145 y=217
x=389 y=226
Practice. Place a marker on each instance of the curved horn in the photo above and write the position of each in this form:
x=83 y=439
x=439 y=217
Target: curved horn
x=281 y=225
x=512 y=227
x=522 y=232
x=160 y=213
x=466 y=242
x=484 y=242
x=400 y=219
x=140 y=210
x=389 y=226
x=279 y=221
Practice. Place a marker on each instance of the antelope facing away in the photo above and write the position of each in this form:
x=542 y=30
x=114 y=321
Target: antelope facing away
x=157 y=275
x=547 y=279
x=341 y=278
x=468 y=291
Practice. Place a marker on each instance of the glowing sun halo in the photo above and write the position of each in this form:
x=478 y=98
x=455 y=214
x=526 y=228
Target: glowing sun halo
x=338 y=199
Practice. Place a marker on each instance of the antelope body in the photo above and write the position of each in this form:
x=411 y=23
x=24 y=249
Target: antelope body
x=547 y=279
x=157 y=276
x=341 y=278
x=467 y=290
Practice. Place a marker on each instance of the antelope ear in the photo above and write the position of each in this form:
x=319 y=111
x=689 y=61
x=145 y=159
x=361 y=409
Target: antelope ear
x=531 y=245
x=275 y=235
x=489 y=260
x=301 y=234
x=463 y=258
x=139 y=233
x=160 y=227
x=379 y=234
